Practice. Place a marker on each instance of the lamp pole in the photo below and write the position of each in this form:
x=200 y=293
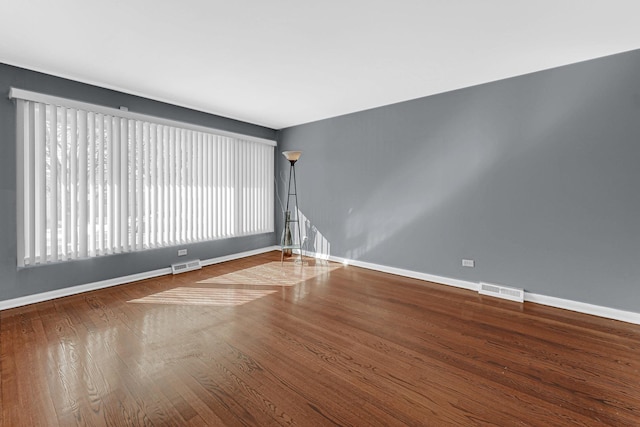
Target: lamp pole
x=292 y=157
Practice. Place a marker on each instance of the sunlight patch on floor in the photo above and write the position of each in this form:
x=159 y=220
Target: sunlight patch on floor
x=204 y=296
x=274 y=274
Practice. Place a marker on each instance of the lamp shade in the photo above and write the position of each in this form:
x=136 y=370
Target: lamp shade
x=292 y=156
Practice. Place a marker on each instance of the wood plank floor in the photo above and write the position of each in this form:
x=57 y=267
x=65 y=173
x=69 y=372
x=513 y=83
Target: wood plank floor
x=249 y=342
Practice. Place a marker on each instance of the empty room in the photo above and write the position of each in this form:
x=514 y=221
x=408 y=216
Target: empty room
x=352 y=213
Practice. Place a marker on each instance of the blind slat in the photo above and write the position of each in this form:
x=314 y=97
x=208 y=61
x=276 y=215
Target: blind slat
x=198 y=187
x=172 y=187
x=41 y=184
x=150 y=187
x=64 y=185
x=218 y=185
x=52 y=232
x=73 y=183
x=31 y=184
x=110 y=193
x=139 y=193
x=123 y=219
x=91 y=183
x=82 y=185
x=21 y=183
x=99 y=200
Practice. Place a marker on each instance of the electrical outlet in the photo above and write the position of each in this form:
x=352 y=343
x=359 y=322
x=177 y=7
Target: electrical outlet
x=182 y=252
x=468 y=263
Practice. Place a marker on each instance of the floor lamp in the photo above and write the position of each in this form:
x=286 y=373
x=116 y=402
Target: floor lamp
x=287 y=236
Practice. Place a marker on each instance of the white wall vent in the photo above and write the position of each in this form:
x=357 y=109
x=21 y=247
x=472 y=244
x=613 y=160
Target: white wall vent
x=181 y=267
x=513 y=294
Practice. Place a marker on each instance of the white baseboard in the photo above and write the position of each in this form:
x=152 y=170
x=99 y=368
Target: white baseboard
x=58 y=293
x=408 y=273
x=245 y=254
x=583 y=307
x=580 y=307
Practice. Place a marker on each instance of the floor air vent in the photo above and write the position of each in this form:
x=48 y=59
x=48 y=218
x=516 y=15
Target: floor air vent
x=513 y=294
x=186 y=266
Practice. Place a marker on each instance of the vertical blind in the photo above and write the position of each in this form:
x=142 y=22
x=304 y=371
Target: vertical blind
x=92 y=183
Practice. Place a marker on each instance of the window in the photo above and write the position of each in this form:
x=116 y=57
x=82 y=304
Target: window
x=94 y=181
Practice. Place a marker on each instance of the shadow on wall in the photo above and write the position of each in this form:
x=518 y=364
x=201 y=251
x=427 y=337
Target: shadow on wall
x=313 y=241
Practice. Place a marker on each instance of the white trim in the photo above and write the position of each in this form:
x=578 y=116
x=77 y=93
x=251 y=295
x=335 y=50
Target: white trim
x=16 y=93
x=566 y=304
x=73 y=290
x=231 y=257
x=583 y=307
x=59 y=293
x=408 y=273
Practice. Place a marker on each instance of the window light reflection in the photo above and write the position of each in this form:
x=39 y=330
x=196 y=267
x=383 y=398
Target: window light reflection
x=273 y=274
x=204 y=296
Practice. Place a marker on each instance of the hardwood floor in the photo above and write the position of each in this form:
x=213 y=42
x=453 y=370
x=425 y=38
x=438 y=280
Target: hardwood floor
x=249 y=342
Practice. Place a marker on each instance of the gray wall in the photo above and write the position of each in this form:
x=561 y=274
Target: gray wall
x=16 y=282
x=535 y=177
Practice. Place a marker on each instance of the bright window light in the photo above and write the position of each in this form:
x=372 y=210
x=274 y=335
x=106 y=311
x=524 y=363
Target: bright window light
x=97 y=181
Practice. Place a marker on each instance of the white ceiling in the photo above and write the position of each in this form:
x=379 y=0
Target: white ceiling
x=280 y=63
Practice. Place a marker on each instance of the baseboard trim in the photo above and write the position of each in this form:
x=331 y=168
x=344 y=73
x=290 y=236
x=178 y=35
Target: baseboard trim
x=78 y=289
x=245 y=254
x=580 y=307
x=583 y=307
x=408 y=273
x=73 y=290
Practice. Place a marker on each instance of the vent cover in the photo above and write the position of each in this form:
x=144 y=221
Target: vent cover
x=499 y=291
x=186 y=266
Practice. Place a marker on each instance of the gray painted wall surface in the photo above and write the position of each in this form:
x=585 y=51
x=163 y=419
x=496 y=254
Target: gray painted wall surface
x=16 y=282
x=535 y=177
